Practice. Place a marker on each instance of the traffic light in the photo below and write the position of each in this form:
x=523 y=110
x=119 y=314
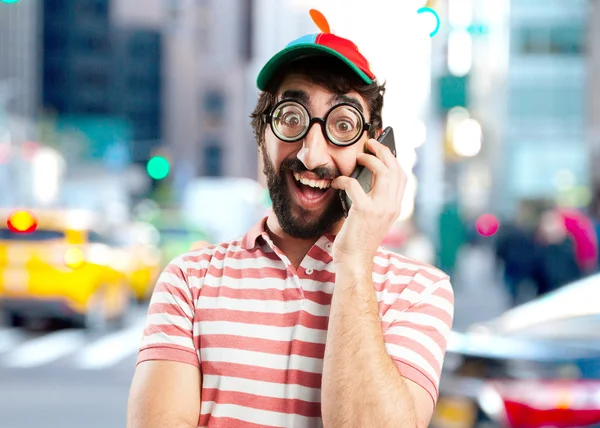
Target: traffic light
x=10 y=1
x=158 y=167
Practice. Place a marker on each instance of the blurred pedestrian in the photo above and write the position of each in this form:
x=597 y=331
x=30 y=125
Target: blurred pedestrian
x=452 y=235
x=515 y=250
x=555 y=261
x=582 y=231
x=595 y=217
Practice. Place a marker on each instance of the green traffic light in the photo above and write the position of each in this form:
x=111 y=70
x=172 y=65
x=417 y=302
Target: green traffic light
x=158 y=167
x=10 y=1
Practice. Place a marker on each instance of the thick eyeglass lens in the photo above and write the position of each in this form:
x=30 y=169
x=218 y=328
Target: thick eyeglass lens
x=290 y=120
x=344 y=125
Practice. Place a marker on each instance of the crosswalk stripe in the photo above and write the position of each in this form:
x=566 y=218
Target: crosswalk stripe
x=45 y=349
x=9 y=338
x=109 y=350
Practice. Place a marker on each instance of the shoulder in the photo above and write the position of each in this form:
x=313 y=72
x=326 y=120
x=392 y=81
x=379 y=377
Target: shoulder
x=194 y=265
x=398 y=272
x=396 y=265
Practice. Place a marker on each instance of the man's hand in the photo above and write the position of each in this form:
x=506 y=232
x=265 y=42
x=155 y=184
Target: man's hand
x=372 y=214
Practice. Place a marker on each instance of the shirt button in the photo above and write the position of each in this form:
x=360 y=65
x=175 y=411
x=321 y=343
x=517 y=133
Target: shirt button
x=328 y=246
x=309 y=271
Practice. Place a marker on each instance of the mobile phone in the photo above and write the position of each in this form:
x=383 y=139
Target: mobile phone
x=363 y=174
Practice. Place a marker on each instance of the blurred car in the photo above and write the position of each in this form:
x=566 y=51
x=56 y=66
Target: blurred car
x=55 y=264
x=142 y=262
x=537 y=365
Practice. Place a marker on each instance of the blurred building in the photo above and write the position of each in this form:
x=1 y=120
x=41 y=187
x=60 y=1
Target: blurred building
x=224 y=50
x=206 y=49
x=546 y=154
x=19 y=57
x=137 y=87
x=519 y=70
x=101 y=81
x=77 y=57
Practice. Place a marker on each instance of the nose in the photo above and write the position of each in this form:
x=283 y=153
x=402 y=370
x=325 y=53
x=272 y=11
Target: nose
x=314 y=148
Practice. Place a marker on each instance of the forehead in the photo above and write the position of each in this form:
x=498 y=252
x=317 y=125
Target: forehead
x=302 y=89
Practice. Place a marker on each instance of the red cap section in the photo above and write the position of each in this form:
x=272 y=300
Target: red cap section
x=347 y=49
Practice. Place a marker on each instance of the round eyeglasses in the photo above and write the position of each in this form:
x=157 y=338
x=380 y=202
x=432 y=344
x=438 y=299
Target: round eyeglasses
x=343 y=125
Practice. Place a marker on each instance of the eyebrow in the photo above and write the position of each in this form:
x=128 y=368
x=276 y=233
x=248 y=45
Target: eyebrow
x=296 y=94
x=339 y=98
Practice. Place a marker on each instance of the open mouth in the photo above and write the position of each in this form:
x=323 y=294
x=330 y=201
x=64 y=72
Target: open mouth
x=310 y=191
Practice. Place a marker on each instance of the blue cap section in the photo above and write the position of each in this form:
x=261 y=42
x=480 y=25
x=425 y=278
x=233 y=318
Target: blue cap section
x=308 y=39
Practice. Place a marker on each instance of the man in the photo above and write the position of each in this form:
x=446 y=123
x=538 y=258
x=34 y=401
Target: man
x=305 y=321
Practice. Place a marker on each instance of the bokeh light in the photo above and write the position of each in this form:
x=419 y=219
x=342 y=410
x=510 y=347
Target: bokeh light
x=158 y=167
x=22 y=222
x=487 y=225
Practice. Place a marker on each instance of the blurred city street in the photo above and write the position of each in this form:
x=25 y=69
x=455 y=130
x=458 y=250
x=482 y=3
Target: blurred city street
x=67 y=378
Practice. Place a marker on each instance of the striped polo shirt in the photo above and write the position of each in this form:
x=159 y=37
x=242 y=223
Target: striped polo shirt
x=256 y=326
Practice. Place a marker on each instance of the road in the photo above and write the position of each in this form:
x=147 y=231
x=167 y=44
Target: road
x=70 y=379
x=67 y=378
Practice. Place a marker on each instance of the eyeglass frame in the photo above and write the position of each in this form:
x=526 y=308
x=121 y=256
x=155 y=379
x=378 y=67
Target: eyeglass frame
x=268 y=118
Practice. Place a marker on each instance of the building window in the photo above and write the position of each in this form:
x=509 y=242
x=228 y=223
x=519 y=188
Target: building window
x=568 y=40
x=547 y=100
x=55 y=41
x=214 y=104
x=213 y=160
x=91 y=43
x=54 y=76
x=54 y=6
x=174 y=12
x=92 y=7
x=565 y=39
x=98 y=80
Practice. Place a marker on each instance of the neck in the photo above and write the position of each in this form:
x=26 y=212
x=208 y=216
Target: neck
x=295 y=249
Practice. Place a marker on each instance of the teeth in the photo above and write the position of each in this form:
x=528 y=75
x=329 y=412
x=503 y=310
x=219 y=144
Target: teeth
x=319 y=184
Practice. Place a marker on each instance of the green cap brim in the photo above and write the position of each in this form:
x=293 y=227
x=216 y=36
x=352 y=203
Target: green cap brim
x=291 y=53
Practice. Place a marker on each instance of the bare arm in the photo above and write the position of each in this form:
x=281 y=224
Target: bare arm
x=164 y=394
x=362 y=385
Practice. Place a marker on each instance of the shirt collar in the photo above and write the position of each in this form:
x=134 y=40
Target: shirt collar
x=250 y=240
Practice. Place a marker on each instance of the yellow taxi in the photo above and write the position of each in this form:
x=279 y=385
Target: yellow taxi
x=55 y=264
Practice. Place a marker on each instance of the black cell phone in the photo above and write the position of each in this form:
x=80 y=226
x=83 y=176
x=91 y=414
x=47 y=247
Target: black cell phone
x=363 y=174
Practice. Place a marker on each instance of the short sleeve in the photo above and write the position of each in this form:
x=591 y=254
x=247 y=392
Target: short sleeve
x=168 y=333
x=417 y=336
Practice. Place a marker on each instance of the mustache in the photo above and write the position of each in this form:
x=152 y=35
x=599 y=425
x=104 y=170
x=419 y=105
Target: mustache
x=324 y=173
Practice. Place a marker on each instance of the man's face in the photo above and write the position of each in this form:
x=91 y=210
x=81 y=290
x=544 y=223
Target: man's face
x=309 y=210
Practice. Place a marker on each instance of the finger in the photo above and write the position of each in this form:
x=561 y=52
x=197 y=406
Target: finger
x=376 y=166
x=352 y=187
x=383 y=153
x=382 y=180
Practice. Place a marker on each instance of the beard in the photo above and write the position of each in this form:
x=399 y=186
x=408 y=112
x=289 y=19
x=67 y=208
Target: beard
x=299 y=222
